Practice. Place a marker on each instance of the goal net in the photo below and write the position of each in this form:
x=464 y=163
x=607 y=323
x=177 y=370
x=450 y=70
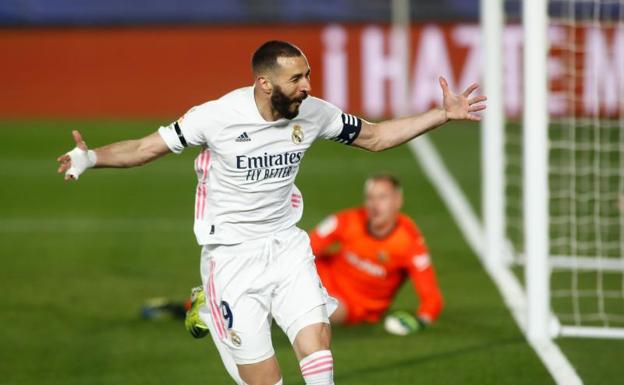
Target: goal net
x=585 y=72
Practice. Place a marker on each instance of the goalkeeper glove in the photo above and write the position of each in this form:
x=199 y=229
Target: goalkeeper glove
x=193 y=323
x=401 y=322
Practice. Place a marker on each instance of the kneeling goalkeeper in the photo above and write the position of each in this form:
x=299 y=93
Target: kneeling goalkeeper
x=363 y=256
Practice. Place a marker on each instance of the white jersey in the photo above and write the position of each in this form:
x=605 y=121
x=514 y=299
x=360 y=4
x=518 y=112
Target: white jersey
x=247 y=167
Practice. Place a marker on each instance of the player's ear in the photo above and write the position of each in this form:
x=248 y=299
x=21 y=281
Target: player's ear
x=399 y=199
x=265 y=84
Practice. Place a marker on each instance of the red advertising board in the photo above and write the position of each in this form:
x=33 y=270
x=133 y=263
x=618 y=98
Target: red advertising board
x=161 y=72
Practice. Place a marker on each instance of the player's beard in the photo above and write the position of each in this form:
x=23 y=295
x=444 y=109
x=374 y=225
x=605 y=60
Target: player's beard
x=284 y=105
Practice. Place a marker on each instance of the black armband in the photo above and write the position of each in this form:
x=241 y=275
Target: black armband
x=351 y=126
x=176 y=126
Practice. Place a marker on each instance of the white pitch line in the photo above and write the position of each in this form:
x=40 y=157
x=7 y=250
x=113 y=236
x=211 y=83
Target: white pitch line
x=508 y=285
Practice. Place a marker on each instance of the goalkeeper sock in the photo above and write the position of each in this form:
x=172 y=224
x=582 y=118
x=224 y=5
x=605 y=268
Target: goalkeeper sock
x=318 y=368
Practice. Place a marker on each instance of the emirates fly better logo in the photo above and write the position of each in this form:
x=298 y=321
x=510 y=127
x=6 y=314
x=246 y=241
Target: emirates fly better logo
x=268 y=166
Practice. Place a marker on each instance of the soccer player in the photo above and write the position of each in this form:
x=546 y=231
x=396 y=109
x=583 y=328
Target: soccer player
x=364 y=254
x=256 y=265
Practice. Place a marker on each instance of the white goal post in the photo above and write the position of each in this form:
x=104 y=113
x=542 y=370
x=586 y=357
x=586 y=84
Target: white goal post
x=553 y=186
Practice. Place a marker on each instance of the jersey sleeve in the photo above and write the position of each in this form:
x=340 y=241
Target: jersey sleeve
x=192 y=129
x=423 y=277
x=324 y=235
x=337 y=125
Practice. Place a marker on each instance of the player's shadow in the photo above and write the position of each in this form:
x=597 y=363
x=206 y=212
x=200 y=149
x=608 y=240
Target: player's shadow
x=388 y=366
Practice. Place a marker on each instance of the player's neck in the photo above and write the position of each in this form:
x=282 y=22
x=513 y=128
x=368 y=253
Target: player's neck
x=266 y=110
x=381 y=230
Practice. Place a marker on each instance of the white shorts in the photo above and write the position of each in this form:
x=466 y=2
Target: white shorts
x=250 y=283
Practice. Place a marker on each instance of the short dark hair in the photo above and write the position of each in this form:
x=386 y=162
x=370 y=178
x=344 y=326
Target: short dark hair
x=265 y=57
x=393 y=180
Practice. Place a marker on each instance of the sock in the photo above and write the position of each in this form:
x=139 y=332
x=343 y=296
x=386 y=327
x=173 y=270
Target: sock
x=318 y=368
x=280 y=382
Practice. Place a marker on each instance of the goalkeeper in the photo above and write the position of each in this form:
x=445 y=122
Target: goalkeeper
x=363 y=255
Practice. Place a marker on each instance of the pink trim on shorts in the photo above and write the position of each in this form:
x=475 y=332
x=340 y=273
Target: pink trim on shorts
x=214 y=308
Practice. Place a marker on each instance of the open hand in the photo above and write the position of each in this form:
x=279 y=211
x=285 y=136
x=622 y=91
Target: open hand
x=461 y=106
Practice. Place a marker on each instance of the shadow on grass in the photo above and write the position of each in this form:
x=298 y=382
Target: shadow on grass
x=415 y=361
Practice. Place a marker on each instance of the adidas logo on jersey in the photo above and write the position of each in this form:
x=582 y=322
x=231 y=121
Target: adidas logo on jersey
x=243 y=138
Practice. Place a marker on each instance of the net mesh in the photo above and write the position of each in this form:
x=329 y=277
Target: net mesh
x=586 y=163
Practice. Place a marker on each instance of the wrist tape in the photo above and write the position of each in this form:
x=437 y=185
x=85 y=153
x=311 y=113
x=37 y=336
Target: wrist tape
x=80 y=161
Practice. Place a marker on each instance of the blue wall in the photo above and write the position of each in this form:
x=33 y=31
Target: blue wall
x=86 y=12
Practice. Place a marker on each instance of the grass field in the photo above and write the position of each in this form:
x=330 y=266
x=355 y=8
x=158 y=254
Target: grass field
x=79 y=259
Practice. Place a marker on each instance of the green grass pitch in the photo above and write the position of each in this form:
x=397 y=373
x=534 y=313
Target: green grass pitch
x=79 y=259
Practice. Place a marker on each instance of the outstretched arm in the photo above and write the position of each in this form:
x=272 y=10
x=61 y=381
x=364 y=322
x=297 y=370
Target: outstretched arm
x=391 y=133
x=127 y=153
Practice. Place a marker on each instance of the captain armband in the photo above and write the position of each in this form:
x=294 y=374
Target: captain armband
x=351 y=126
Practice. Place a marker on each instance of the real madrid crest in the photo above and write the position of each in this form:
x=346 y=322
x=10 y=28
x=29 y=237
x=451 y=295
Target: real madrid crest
x=236 y=340
x=297 y=134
